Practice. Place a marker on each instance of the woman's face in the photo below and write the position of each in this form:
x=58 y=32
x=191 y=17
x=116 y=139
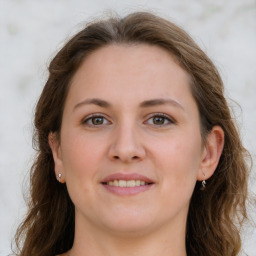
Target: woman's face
x=130 y=147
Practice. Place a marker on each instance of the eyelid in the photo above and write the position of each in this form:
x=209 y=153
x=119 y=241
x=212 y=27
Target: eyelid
x=89 y=117
x=170 y=119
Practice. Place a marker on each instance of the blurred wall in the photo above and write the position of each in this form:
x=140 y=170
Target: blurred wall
x=32 y=31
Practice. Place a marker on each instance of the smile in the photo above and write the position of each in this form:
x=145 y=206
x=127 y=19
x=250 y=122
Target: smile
x=127 y=183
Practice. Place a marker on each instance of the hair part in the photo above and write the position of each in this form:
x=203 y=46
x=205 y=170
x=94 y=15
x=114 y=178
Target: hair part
x=48 y=228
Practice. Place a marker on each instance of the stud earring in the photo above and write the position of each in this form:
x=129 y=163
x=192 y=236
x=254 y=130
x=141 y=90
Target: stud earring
x=59 y=176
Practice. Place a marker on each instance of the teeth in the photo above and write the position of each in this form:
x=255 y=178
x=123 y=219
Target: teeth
x=137 y=182
x=122 y=183
x=128 y=183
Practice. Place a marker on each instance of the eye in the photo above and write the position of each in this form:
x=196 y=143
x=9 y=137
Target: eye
x=160 y=119
x=95 y=120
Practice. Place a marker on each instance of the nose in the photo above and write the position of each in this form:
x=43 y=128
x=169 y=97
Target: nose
x=127 y=145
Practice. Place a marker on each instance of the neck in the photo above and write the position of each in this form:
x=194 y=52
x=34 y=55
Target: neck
x=168 y=240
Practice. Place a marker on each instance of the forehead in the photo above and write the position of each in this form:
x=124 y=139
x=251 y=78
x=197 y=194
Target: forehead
x=133 y=71
x=137 y=55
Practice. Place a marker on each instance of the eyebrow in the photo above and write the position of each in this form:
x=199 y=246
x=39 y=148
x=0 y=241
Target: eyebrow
x=144 y=104
x=98 y=102
x=157 y=102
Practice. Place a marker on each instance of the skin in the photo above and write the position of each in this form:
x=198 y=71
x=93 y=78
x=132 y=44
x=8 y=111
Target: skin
x=129 y=139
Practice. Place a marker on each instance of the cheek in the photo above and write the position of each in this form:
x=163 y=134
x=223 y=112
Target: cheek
x=179 y=161
x=81 y=157
x=179 y=173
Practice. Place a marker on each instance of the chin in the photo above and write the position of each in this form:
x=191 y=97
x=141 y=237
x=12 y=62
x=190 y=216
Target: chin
x=128 y=230
x=126 y=224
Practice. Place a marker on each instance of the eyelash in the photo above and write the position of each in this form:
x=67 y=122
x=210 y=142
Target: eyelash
x=166 y=117
x=90 y=118
x=162 y=115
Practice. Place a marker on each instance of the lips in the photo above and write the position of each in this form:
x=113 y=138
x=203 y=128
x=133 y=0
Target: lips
x=127 y=184
x=127 y=177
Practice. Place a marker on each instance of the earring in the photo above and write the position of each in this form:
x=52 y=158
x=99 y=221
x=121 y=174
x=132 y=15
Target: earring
x=203 y=183
x=59 y=176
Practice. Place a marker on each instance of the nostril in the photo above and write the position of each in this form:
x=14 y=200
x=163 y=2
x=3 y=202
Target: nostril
x=125 y=158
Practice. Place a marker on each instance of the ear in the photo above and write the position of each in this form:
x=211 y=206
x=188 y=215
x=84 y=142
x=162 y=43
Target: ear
x=57 y=157
x=211 y=153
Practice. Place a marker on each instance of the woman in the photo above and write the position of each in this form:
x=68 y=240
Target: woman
x=137 y=151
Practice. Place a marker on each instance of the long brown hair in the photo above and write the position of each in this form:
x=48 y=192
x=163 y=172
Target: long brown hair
x=215 y=214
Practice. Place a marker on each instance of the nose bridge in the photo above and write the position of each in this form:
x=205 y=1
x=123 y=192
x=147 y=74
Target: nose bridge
x=126 y=144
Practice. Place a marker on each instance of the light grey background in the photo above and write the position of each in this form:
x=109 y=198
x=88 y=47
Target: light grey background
x=31 y=32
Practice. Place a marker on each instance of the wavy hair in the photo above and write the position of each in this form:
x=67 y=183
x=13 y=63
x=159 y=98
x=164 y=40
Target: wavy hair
x=215 y=215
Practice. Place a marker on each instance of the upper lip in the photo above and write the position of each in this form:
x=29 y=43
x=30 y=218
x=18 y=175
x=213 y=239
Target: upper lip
x=126 y=176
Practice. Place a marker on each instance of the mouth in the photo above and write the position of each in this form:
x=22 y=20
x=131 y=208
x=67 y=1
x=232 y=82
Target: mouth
x=127 y=184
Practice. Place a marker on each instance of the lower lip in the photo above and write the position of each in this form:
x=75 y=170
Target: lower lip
x=126 y=191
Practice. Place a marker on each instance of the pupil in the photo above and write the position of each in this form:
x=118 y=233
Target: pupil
x=158 y=120
x=97 y=120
